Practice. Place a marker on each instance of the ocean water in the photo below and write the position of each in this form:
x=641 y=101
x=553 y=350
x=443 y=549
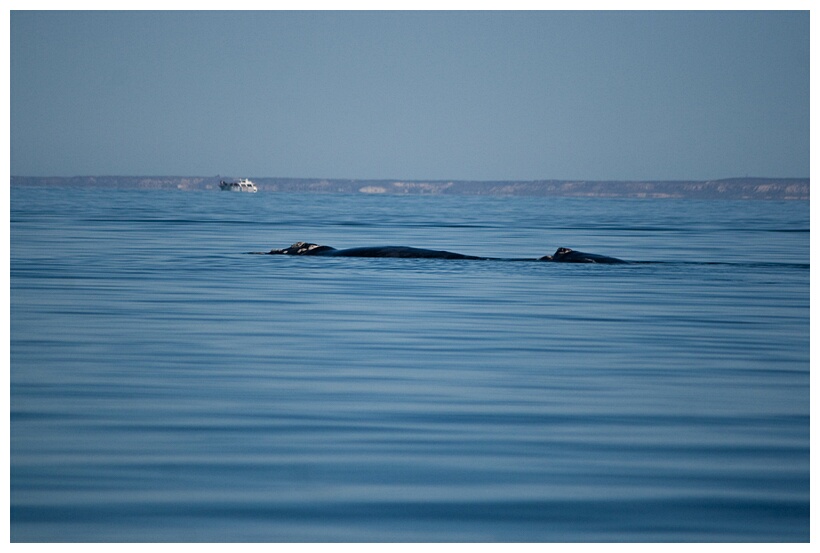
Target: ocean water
x=167 y=386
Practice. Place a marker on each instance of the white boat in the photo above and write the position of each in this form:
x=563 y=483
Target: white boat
x=244 y=185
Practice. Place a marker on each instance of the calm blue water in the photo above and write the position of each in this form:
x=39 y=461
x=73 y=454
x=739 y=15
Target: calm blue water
x=166 y=386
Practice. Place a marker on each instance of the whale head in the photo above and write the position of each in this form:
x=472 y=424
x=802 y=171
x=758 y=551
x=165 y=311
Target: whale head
x=559 y=254
x=302 y=248
x=566 y=255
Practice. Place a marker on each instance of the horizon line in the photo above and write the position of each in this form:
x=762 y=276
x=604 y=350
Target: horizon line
x=409 y=180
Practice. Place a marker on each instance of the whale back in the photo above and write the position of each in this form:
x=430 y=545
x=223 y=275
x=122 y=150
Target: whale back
x=561 y=255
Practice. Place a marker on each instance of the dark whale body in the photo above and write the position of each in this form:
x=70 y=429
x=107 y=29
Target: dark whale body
x=566 y=255
x=562 y=255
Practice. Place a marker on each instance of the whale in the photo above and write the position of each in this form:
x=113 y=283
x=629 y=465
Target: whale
x=567 y=255
x=561 y=255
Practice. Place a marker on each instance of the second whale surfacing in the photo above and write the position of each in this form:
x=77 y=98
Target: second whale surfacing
x=561 y=255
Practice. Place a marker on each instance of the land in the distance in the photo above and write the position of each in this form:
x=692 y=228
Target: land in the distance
x=730 y=189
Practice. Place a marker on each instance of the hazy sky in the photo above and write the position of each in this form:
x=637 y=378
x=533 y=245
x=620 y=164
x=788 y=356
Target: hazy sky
x=411 y=95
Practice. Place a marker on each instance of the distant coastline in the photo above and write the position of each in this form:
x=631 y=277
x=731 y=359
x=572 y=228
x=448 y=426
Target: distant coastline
x=747 y=188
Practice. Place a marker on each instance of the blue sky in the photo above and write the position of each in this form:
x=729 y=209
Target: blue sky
x=411 y=95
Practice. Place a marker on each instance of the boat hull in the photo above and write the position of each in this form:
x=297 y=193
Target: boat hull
x=241 y=186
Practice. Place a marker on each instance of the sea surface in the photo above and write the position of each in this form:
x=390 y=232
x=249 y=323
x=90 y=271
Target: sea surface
x=167 y=386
